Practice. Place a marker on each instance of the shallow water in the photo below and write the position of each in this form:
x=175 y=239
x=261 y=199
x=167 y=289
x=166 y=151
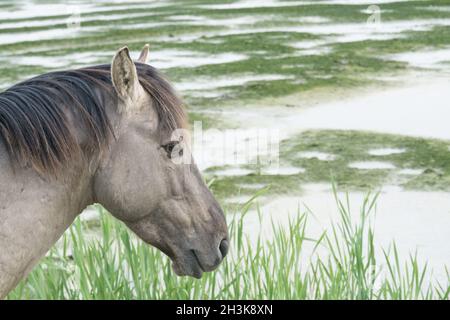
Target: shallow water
x=385 y=151
x=404 y=111
x=74 y=60
x=413 y=172
x=281 y=171
x=431 y=59
x=165 y=59
x=4 y=25
x=233 y=172
x=31 y=9
x=370 y=165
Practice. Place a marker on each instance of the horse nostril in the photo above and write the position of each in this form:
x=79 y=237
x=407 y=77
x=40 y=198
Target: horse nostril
x=223 y=247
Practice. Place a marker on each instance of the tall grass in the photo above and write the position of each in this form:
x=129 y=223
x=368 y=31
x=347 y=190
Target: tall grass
x=116 y=265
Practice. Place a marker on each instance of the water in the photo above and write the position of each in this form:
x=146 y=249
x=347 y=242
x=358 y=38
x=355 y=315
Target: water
x=281 y=171
x=370 y=165
x=413 y=172
x=431 y=59
x=403 y=111
x=165 y=59
x=233 y=172
x=385 y=151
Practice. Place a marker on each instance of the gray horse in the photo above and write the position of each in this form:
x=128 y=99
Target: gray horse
x=110 y=134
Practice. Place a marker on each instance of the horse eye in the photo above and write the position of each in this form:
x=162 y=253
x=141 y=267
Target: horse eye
x=170 y=146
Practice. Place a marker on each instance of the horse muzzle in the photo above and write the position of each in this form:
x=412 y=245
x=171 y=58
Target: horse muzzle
x=194 y=262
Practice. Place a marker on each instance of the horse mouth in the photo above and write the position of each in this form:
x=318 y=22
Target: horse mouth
x=197 y=260
x=184 y=262
x=189 y=266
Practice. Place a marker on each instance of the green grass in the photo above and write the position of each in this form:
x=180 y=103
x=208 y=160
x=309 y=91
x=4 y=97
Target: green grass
x=118 y=266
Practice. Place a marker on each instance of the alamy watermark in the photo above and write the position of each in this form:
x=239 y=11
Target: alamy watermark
x=230 y=147
x=374 y=19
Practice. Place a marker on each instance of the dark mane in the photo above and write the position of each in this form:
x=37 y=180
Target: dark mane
x=34 y=114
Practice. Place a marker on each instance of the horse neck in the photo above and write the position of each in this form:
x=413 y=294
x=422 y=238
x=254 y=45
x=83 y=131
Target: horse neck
x=34 y=213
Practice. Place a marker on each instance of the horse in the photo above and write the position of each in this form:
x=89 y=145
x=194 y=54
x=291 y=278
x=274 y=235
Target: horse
x=114 y=134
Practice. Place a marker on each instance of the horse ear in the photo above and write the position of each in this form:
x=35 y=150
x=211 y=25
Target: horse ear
x=143 y=57
x=124 y=75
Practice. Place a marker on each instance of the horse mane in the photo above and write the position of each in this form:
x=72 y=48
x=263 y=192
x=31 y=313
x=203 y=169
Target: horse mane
x=34 y=114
